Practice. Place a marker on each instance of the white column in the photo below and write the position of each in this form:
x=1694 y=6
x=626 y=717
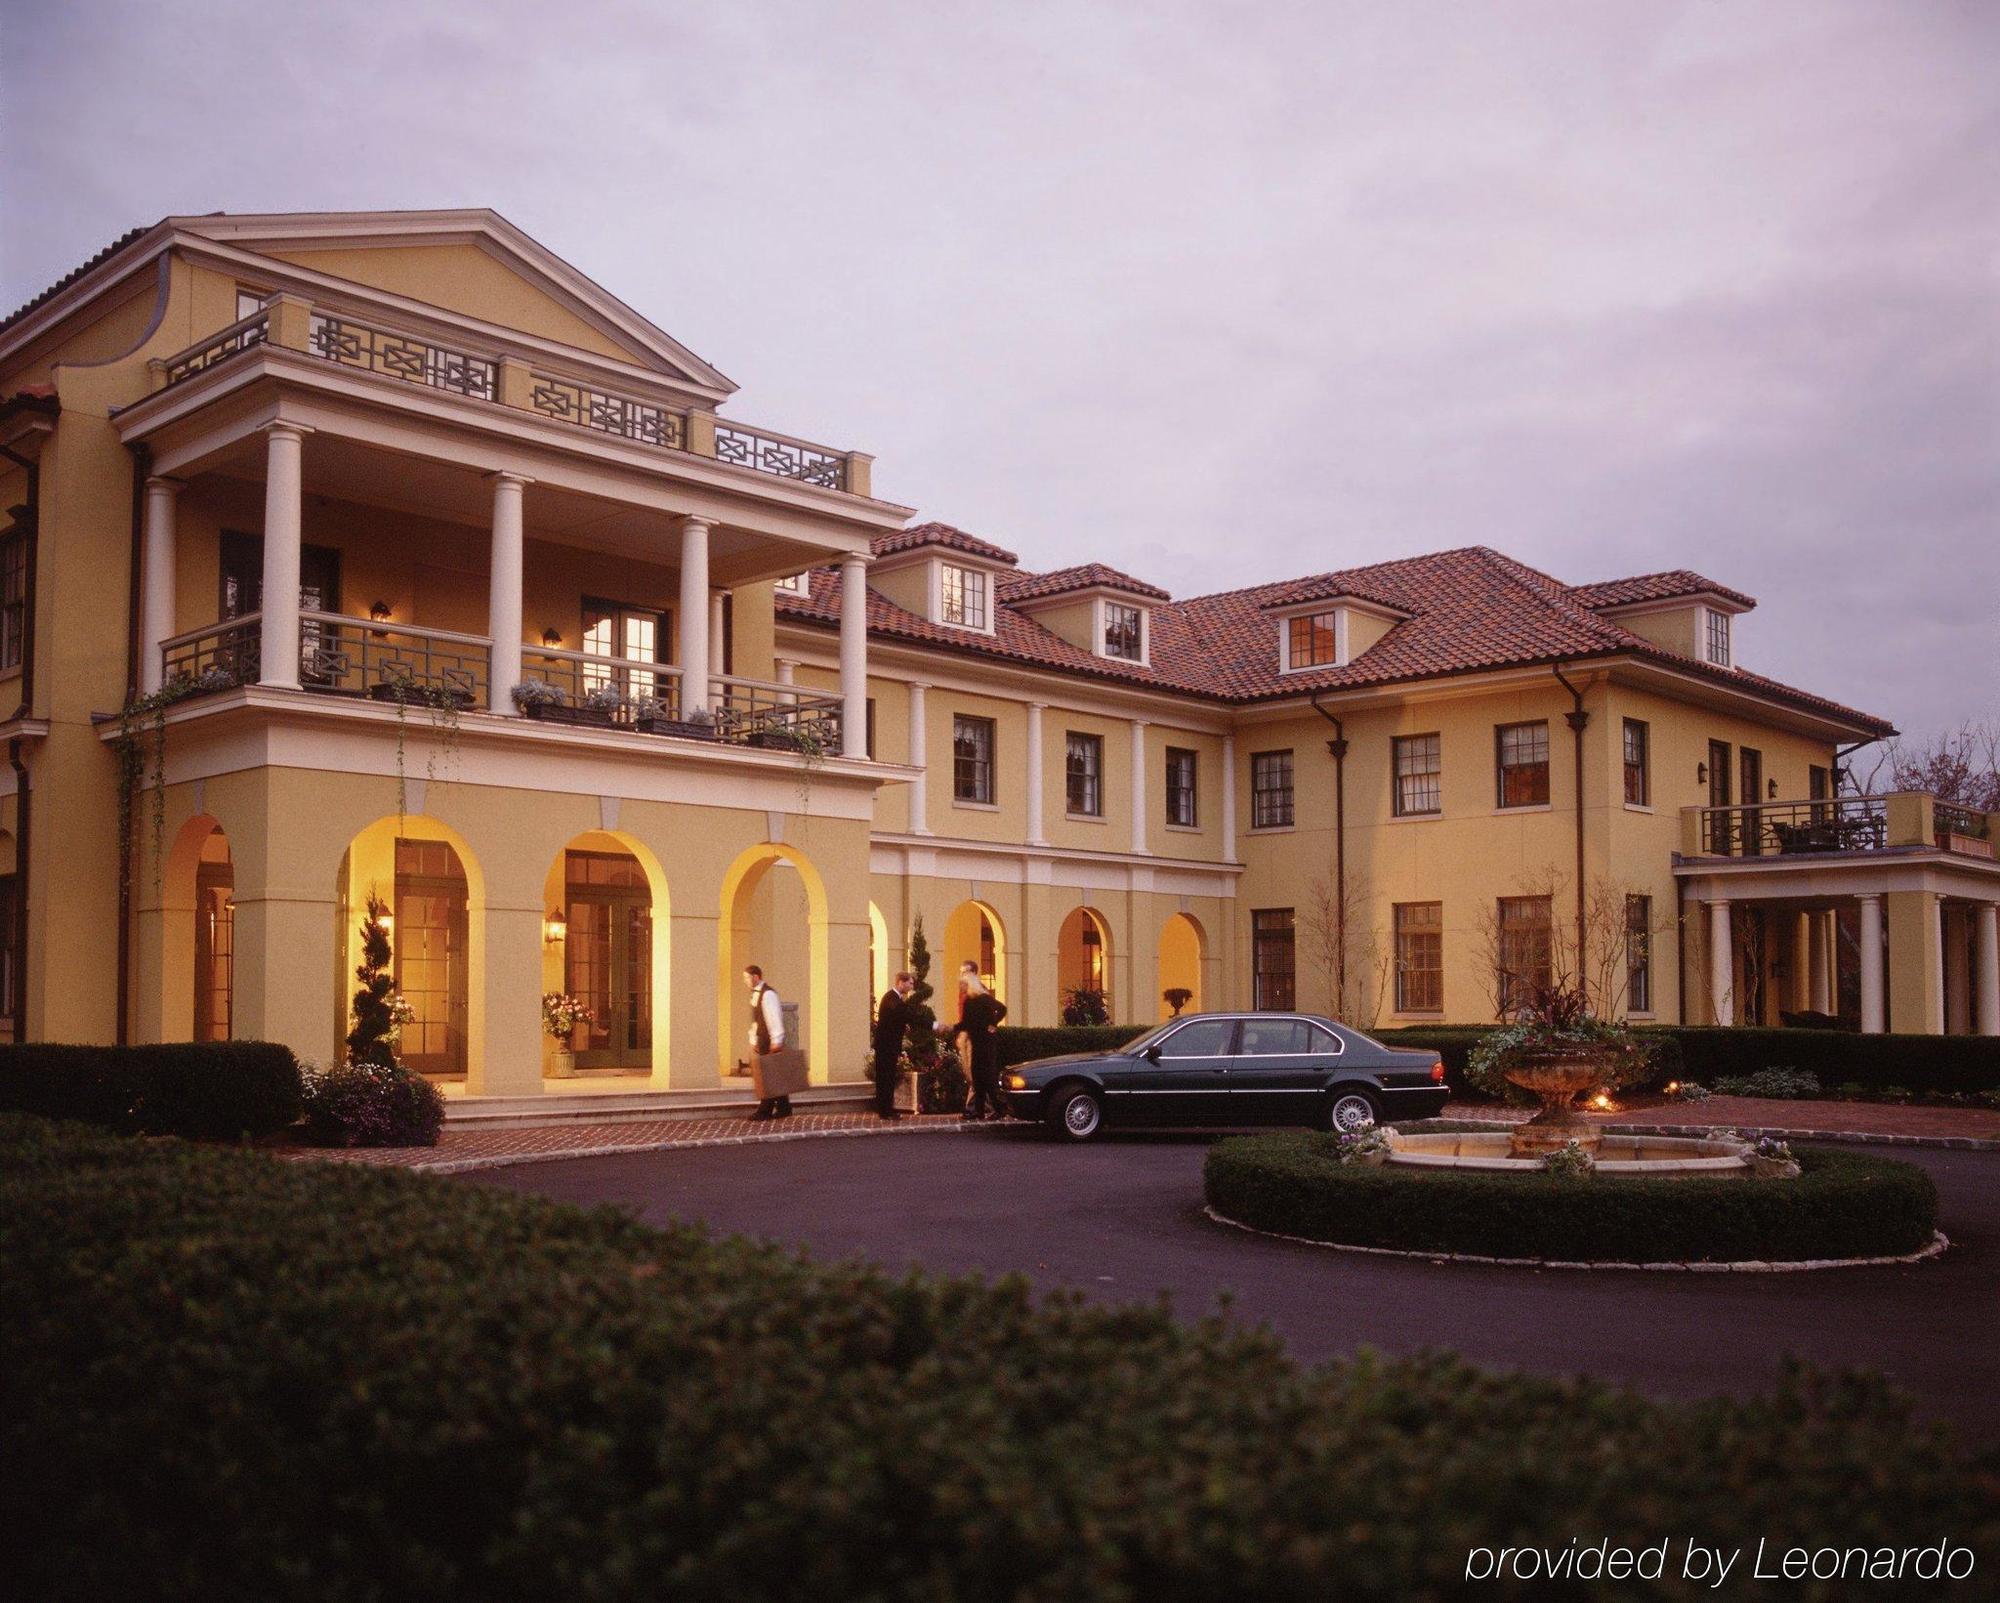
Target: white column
x=854 y=656
x=694 y=616
x=1721 y=964
x=503 y=593
x=156 y=584
x=787 y=669
x=920 y=789
x=284 y=480
x=1819 y=966
x=1035 y=786
x=718 y=635
x=1874 y=1016
x=1986 y=960
x=1229 y=798
x=1139 y=785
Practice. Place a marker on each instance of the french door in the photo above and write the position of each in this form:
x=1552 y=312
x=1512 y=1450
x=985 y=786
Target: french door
x=430 y=948
x=214 y=950
x=608 y=957
x=242 y=591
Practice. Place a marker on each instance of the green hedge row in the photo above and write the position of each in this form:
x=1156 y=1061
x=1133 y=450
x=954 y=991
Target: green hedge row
x=1843 y=1205
x=1022 y=1044
x=239 y=1378
x=207 y=1090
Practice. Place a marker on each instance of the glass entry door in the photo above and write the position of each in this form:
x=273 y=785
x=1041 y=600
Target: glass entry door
x=608 y=959
x=214 y=950
x=430 y=948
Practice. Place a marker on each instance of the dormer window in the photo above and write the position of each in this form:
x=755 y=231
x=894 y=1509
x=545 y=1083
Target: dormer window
x=1716 y=645
x=1124 y=632
x=962 y=596
x=799 y=584
x=1314 y=640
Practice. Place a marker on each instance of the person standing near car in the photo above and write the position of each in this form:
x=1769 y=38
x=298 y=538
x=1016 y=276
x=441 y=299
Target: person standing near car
x=767 y=1035
x=892 y=1022
x=979 y=1017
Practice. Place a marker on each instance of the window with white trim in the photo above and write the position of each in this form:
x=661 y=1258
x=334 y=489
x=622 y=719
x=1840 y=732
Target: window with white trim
x=1181 y=771
x=1313 y=641
x=1717 y=644
x=799 y=584
x=962 y=596
x=1419 y=765
x=1124 y=632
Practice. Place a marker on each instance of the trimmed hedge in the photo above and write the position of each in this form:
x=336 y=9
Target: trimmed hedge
x=240 y=1378
x=1023 y=1044
x=206 y=1090
x=1842 y=1205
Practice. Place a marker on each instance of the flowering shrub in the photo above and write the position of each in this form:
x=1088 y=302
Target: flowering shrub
x=1354 y=1146
x=1557 y=1020
x=370 y=1105
x=562 y=1013
x=605 y=698
x=1570 y=1161
x=1688 y=1091
x=1783 y=1084
x=1772 y=1147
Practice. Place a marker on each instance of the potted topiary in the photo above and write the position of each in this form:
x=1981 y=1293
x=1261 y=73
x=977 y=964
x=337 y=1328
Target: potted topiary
x=1554 y=1050
x=1177 y=997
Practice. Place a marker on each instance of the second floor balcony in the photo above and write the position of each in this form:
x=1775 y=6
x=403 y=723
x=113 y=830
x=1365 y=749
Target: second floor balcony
x=1841 y=826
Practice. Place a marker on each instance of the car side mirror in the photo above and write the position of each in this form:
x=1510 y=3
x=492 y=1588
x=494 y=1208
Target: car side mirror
x=1151 y=1054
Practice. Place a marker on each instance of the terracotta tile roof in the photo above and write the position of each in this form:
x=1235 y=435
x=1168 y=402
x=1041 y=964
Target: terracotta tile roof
x=1085 y=576
x=1667 y=586
x=1468 y=610
x=73 y=275
x=940 y=534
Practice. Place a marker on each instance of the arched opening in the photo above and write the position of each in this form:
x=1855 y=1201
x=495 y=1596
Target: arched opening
x=1182 y=947
x=1083 y=954
x=437 y=904
x=774 y=914
x=972 y=934
x=214 y=939
x=882 y=961
x=196 y=936
x=604 y=940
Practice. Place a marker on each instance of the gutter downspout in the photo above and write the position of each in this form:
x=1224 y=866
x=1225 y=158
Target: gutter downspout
x=1338 y=748
x=23 y=797
x=1578 y=720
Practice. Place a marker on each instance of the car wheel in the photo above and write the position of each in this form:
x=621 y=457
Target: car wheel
x=1077 y=1113
x=1351 y=1109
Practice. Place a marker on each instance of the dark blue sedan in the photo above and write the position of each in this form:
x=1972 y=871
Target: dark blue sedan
x=1227 y=1069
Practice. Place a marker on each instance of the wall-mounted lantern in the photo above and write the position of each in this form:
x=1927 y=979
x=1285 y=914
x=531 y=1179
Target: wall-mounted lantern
x=554 y=927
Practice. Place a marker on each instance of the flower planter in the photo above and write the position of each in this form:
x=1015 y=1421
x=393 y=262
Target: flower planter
x=550 y=712
x=420 y=695
x=563 y=1063
x=1773 y=1168
x=678 y=727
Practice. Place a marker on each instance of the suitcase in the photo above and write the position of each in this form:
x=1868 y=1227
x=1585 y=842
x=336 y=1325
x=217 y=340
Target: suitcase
x=779 y=1073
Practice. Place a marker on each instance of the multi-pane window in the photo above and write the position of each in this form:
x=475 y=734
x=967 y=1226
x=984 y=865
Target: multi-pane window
x=1718 y=638
x=13 y=598
x=1124 y=632
x=1270 y=790
x=1527 y=950
x=799 y=584
x=1638 y=954
x=962 y=596
x=1084 y=774
x=1181 y=772
x=1314 y=642
x=1638 y=771
x=249 y=302
x=1420 y=957
x=1419 y=764
x=1523 y=763
x=1273 y=959
x=635 y=634
x=971 y=759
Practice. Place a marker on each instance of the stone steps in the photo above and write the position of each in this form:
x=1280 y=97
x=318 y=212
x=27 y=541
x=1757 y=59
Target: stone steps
x=622 y=1107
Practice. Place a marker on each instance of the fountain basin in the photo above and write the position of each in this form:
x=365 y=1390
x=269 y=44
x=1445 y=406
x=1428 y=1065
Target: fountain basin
x=1664 y=1155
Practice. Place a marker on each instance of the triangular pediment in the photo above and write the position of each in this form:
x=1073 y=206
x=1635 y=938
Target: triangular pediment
x=474 y=263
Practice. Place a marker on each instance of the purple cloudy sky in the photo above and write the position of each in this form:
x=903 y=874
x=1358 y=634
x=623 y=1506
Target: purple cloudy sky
x=1217 y=293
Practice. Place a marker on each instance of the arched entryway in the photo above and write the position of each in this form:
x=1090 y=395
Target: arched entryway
x=1183 y=945
x=604 y=940
x=973 y=933
x=774 y=914
x=436 y=900
x=197 y=935
x=1083 y=954
x=882 y=960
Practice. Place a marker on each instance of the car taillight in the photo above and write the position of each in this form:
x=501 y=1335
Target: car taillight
x=1437 y=1072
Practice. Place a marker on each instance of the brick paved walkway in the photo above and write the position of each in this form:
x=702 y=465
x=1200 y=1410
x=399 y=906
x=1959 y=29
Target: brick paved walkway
x=461 y=1149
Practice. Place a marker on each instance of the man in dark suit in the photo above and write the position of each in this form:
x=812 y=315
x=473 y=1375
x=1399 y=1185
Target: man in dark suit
x=891 y=1023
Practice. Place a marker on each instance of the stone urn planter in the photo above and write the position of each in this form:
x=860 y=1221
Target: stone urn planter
x=1763 y=1168
x=1554 y=1077
x=562 y=1062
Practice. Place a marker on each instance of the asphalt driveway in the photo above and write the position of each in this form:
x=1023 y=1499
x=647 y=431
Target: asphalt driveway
x=1122 y=1219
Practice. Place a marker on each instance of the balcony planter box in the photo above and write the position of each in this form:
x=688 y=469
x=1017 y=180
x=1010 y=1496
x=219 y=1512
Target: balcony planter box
x=1964 y=845
x=550 y=712
x=425 y=696
x=679 y=727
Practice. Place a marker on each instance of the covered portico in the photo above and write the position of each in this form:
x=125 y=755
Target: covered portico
x=1923 y=887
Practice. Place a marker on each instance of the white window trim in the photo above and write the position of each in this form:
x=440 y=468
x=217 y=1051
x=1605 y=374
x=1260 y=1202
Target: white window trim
x=936 y=587
x=1342 y=633
x=798 y=584
x=1099 y=621
x=1702 y=613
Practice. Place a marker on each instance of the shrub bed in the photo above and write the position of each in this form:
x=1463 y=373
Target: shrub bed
x=240 y=1378
x=371 y=1105
x=1842 y=1205
x=1922 y=1064
x=206 y=1090
x=1022 y=1044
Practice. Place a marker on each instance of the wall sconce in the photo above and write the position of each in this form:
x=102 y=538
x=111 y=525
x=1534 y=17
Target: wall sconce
x=1770 y=790
x=554 y=927
x=552 y=637
x=1701 y=773
x=380 y=612
x=388 y=923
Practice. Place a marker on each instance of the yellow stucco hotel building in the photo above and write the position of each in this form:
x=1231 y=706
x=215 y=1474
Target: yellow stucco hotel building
x=384 y=553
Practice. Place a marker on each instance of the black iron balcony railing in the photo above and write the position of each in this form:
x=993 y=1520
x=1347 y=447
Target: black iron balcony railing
x=239 y=336
x=777 y=454
x=608 y=413
x=1776 y=829
x=759 y=712
x=217 y=657
x=392 y=662
x=1951 y=819
x=402 y=356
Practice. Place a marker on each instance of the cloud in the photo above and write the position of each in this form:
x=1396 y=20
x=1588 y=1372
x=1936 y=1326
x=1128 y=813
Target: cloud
x=1212 y=292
